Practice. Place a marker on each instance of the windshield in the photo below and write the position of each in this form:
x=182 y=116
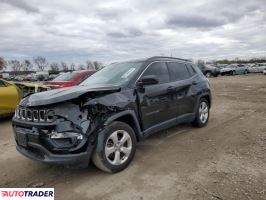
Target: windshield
x=116 y=74
x=68 y=76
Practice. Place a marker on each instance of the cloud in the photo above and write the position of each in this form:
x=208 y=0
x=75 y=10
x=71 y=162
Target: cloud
x=74 y=31
x=125 y=33
x=22 y=5
x=193 y=21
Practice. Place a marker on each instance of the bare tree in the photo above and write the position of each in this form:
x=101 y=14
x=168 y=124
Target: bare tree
x=41 y=62
x=64 y=66
x=3 y=63
x=81 y=67
x=72 y=67
x=54 y=67
x=16 y=66
x=89 y=65
x=97 y=65
x=27 y=65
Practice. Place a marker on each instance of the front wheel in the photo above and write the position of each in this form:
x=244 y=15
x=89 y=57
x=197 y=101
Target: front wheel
x=115 y=147
x=202 y=115
x=208 y=74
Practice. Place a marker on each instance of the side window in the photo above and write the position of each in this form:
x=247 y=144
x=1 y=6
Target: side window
x=178 y=71
x=2 y=84
x=191 y=69
x=158 y=69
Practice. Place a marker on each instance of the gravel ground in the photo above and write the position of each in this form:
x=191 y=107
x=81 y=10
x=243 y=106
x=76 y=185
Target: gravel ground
x=225 y=160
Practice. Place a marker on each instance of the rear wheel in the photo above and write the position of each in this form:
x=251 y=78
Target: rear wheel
x=202 y=115
x=233 y=73
x=115 y=148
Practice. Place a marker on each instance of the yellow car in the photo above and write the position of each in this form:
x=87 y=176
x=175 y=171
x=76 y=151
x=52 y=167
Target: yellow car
x=10 y=96
x=11 y=93
x=30 y=88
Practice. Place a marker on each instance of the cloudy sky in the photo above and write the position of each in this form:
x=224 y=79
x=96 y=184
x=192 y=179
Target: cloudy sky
x=77 y=30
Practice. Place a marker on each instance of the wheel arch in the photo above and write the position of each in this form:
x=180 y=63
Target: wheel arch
x=207 y=96
x=129 y=117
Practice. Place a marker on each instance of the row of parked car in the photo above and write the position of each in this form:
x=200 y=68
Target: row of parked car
x=11 y=92
x=232 y=69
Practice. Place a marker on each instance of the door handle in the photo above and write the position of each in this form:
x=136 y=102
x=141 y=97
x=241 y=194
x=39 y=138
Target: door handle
x=170 y=89
x=194 y=83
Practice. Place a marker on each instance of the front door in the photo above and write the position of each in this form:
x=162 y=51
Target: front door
x=154 y=100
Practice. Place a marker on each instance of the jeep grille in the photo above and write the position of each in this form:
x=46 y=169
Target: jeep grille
x=32 y=115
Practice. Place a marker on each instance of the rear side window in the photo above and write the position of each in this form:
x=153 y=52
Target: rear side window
x=178 y=71
x=158 y=69
x=191 y=69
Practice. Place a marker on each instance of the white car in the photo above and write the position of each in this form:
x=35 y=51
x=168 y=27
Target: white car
x=234 y=69
x=257 y=68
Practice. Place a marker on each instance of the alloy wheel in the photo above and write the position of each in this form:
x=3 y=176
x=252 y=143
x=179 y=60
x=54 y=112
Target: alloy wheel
x=118 y=147
x=203 y=112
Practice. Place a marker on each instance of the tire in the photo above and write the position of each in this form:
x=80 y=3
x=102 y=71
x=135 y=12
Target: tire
x=245 y=72
x=119 y=154
x=208 y=74
x=201 y=121
x=233 y=73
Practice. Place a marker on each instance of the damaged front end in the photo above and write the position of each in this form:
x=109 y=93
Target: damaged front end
x=64 y=132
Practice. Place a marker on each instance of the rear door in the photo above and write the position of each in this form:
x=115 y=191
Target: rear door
x=182 y=82
x=154 y=100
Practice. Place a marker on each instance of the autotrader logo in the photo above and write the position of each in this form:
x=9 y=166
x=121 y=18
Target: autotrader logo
x=26 y=193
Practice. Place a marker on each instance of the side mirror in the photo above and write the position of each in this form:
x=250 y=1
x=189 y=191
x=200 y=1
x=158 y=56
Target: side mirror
x=147 y=80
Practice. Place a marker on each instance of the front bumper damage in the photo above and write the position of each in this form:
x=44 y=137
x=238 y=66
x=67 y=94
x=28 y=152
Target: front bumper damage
x=61 y=140
x=63 y=133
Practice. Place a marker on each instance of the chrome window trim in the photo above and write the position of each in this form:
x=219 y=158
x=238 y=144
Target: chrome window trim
x=168 y=61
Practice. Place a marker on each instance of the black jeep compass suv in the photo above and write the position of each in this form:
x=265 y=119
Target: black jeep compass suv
x=103 y=118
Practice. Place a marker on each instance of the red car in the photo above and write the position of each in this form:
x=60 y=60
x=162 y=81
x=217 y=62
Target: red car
x=69 y=79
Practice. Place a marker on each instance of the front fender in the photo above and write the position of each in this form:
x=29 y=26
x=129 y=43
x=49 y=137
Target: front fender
x=130 y=113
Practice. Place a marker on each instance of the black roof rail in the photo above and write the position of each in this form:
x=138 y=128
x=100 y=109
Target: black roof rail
x=167 y=57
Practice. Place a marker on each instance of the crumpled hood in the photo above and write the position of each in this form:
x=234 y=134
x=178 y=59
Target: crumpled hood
x=64 y=94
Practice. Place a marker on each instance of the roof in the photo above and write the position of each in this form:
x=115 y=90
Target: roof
x=154 y=58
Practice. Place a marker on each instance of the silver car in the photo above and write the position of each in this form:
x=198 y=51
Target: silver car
x=257 y=68
x=234 y=69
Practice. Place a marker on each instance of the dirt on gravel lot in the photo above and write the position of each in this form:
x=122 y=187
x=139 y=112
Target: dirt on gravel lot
x=225 y=160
